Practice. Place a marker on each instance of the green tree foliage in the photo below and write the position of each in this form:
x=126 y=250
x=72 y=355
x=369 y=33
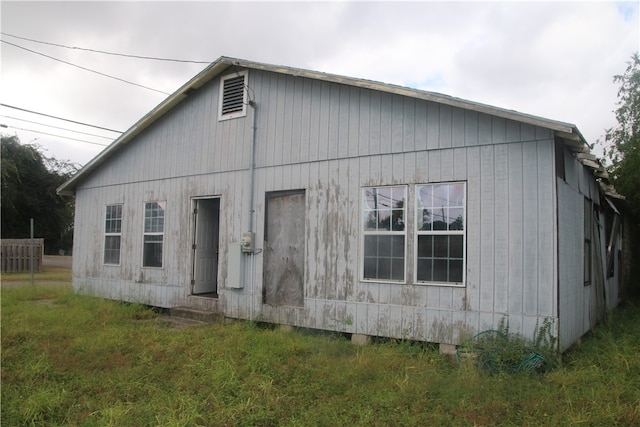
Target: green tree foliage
x=622 y=145
x=29 y=182
x=623 y=140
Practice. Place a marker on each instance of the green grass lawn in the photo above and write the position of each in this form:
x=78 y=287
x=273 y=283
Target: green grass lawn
x=75 y=360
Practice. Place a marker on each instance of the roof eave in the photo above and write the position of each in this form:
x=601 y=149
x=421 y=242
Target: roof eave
x=208 y=73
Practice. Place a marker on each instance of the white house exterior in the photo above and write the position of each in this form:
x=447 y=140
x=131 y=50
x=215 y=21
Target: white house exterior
x=296 y=197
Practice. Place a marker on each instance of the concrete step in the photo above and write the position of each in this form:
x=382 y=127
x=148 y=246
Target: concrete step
x=195 y=314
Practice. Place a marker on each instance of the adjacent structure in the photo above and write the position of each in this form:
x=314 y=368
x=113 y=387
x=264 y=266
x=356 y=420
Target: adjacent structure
x=302 y=198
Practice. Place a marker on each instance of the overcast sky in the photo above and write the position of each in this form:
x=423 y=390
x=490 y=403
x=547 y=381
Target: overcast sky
x=551 y=59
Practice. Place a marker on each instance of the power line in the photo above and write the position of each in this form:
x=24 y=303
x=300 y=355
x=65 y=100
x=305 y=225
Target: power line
x=107 y=53
x=56 y=136
x=57 y=127
x=85 y=68
x=59 y=118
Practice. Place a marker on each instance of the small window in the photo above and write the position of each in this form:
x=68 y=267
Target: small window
x=384 y=216
x=588 y=218
x=112 y=234
x=440 y=233
x=153 y=234
x=233 y=96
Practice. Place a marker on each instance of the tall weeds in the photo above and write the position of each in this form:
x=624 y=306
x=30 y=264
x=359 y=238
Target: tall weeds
x=75 y=360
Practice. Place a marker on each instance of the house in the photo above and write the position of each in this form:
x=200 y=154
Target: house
x=302 y=198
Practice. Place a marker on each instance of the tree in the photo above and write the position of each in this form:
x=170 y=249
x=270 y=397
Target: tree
x=29 y=183
x=623 y=149
x=624 y=139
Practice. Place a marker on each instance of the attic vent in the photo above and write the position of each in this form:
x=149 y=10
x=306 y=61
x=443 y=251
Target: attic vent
x=233 y=96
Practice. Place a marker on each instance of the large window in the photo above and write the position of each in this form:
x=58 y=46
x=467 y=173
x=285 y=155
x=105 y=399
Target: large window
x=440 y=233
x=153 y=234
x=112 y=234
x=384 y=233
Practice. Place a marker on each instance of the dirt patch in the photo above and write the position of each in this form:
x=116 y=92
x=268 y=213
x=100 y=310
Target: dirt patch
x=57 y=261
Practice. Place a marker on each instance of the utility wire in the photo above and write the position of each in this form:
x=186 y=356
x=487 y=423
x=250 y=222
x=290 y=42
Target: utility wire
x=85 y=68
x=59 y=118
x=50 y=134
x=57 y=127
x=105 y=52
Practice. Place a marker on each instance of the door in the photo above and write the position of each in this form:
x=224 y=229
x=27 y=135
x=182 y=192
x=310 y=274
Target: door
x=284 y=249
x=205 y=248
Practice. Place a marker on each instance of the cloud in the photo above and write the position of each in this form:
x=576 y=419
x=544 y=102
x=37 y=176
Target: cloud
x=551 y=59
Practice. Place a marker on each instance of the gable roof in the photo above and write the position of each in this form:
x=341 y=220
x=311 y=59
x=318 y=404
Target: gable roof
x=568 y=132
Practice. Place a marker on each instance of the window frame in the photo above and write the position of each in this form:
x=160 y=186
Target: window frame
x=235 y=114
x=153 y=233
x=365 y=233
x=418 y=211
x=112 y=234
x=587 y=255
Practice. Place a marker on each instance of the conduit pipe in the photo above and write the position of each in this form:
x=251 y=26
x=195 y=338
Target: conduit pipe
x=252 y=167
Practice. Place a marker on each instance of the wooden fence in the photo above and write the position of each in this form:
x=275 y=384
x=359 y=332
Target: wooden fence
x=15 y=255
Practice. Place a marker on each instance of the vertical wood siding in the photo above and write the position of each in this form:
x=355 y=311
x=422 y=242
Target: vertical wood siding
x=331 y=140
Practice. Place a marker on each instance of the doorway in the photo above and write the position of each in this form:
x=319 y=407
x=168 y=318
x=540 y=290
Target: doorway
x=206 y=236
x=284 y=249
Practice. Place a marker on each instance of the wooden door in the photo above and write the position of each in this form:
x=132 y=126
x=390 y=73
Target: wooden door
x=284 y=246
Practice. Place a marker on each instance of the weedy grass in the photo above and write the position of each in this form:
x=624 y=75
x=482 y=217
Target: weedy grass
x=48 y=275
x=69 y=359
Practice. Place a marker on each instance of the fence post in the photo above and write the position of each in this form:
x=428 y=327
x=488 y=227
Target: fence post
x=31 y=253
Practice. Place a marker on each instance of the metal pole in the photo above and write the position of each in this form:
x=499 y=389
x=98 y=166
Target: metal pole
x=31 y=253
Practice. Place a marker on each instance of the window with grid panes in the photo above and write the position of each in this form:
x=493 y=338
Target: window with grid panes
x=112 y=234
x=153 y=234
x=440 y=233
x=384 y=233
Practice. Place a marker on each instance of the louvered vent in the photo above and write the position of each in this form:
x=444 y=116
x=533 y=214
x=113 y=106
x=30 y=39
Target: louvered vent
x=233 y=95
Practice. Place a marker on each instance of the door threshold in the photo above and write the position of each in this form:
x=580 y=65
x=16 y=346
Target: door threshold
x=206 y=295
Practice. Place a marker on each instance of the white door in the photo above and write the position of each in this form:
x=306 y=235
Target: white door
x=205 y=248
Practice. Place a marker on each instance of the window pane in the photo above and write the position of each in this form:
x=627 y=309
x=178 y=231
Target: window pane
x=440 y=219
x=425 y=270
x=440 y=270
x=384 y=268
x=370 y=246
x=152 y=256
x=440 y=195
x=384 y=219
x=441 y=246
x=370 y=219
x=154 y=217
x=112 y=250
x=397 y=220
x=456 y=218
x=425 y=246
x=455 y=271
x=370 y=271
x=424 y=219
x=398 y=246
x=456 y=194
x=456 y=246
x=425 y=196
x=371 y=199
x=384 y=246
x=113 y=219
x=397 y=269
